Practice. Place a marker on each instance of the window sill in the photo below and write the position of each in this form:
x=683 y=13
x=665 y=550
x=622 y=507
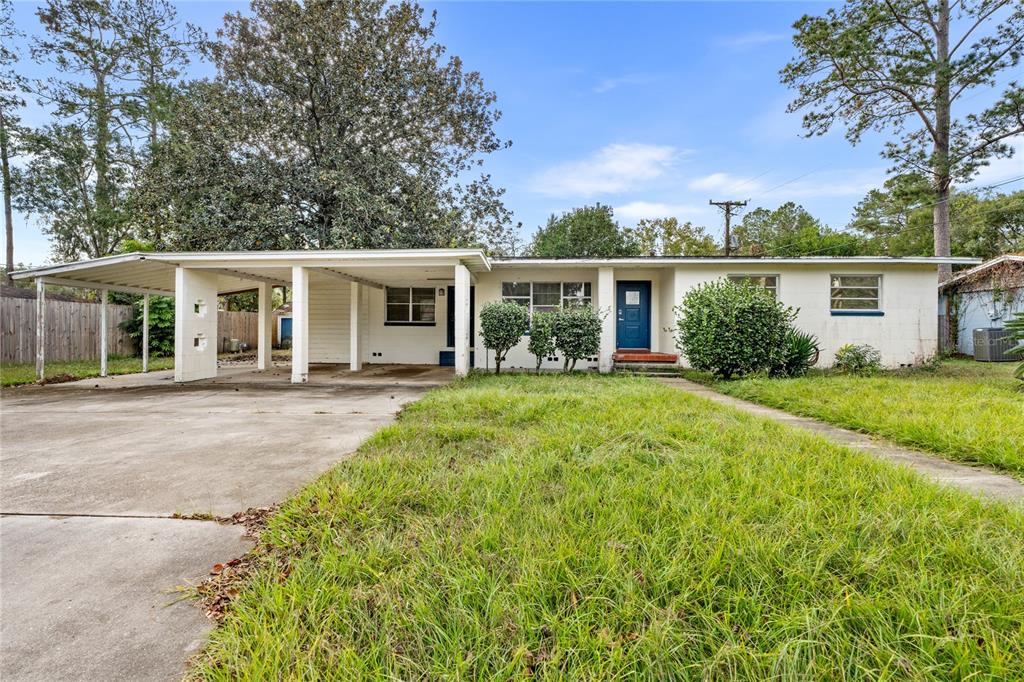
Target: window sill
x=410 y=324
x=858 y=313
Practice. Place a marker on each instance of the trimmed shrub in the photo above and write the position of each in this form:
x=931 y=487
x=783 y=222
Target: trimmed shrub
x=732 y=329
x=577 y=334
x=161 y=326
x=542 y=336
x=801 y=353
x=502 y=325
x=854 y=359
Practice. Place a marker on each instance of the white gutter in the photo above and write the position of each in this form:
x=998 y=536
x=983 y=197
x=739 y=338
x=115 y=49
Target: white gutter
x=697 y=260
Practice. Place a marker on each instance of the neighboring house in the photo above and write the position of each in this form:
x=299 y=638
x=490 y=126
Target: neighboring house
x=988 y=295
x=420 y=306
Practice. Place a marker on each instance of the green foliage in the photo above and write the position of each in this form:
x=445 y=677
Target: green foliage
x=542 y=336
x=1016 y=328
x=331 y=124
x=25 y=373
x=580 y=527
x=577 y=334
x=161 y=326
x=667 y=237
x=502 y=325
x=858 y=359
x=897 y=220
x=790 y=230
x=733 y=329
x=800 y=354
x=588 y=232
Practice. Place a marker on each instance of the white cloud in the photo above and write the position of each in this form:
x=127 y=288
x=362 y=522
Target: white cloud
x=848 y=182
x=629 y=79
x=638 y=210
x=752 y=39
x=724 y=183
x=611 y=169
x=1000 y=170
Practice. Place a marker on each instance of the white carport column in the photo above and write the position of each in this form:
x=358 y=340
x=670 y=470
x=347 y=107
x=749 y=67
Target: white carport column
x=461 y=320
x=145 y=332
x=265 y=332
x=606 y=306
x=195 y=324
x=355 y=349
x=40 y=330
x=104 y=331
x=300 y=324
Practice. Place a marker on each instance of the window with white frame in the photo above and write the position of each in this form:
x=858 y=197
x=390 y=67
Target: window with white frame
x=856 y=292
x=768 y=282
x=410 y=305
x=546 y=296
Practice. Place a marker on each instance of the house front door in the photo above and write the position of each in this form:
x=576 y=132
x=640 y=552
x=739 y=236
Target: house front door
x=633 y=315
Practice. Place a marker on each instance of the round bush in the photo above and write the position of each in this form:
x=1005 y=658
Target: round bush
x=733 y=329
x=858 y=359
x=502 y=325
x=577 y=334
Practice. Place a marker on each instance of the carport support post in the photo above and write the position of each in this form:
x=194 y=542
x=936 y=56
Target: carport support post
x=461 y=320
x=606 y=305
x=145 y=332
x=40 y=330
x=103 y=332
x=355 y=350
x=264 y=333
x=300 y=324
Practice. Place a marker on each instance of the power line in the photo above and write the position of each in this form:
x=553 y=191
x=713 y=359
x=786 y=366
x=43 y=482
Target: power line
x=728 y=207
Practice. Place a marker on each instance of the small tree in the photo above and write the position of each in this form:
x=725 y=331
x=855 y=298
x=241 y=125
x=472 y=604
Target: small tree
x=161 y=326
x=542 y=336
x=577 y=334
x=732 y=329
x=502 y=326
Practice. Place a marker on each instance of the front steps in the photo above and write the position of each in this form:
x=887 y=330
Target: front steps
x=645 y=363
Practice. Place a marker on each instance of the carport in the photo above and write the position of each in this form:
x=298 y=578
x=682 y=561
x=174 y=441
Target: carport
x=195 y=280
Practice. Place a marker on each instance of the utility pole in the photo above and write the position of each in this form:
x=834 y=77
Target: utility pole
x=728 y=207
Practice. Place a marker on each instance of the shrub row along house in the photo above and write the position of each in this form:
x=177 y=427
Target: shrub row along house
x=420 y=306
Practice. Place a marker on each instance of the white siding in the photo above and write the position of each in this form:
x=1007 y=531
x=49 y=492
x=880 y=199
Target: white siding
x=405 y=344
x=328 y=319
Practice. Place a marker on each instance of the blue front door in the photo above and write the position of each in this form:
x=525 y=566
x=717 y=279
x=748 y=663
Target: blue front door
x=633 y=326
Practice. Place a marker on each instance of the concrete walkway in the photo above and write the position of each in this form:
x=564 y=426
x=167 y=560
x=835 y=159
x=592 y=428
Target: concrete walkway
x=972 y=479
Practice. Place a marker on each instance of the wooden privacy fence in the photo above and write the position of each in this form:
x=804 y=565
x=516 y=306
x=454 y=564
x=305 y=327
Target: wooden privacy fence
x=72 y=330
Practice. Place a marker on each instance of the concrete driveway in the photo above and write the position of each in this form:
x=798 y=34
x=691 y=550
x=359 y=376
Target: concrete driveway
x=91 y=474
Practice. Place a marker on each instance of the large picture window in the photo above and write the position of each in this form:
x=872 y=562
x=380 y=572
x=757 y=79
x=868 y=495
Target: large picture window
x=768 y=282
x=546 y=296
x=410 y=305
x=856 y=292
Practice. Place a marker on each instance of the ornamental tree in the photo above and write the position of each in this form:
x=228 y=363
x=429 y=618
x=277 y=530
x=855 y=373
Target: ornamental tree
x=577 y=334
x=542 y=336
x=502 y=325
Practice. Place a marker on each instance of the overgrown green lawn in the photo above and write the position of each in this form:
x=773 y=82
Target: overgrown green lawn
x=13 y=375
x=965 y=410
x=614 y=528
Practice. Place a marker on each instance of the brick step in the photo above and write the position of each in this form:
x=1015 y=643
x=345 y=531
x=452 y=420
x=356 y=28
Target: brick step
x=644 y=356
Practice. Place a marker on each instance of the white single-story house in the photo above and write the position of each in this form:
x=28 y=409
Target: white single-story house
x=986 y=296
x=420 y=306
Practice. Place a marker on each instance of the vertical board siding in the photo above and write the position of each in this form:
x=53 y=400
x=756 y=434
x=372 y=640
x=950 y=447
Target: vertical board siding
x=329 y=303
x=72 y=330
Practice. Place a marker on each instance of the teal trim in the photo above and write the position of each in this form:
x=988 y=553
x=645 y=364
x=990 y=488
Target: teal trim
x=858 y=313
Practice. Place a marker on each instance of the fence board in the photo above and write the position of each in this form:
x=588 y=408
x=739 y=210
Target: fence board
x=73 y=329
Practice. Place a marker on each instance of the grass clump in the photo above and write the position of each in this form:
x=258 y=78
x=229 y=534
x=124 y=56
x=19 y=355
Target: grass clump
x=964 y=410
x=568 y=527
x=25 y=373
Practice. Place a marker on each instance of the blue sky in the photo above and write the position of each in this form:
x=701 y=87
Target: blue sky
x=652 y=108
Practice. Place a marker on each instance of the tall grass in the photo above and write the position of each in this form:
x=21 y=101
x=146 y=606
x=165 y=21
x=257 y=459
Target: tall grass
x=25 y=373
x=965 y=410
x=613 y=528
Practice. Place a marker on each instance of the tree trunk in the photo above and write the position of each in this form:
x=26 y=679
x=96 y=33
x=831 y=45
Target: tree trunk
x=941 y=180
x=8 y=213
x=497 y=365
